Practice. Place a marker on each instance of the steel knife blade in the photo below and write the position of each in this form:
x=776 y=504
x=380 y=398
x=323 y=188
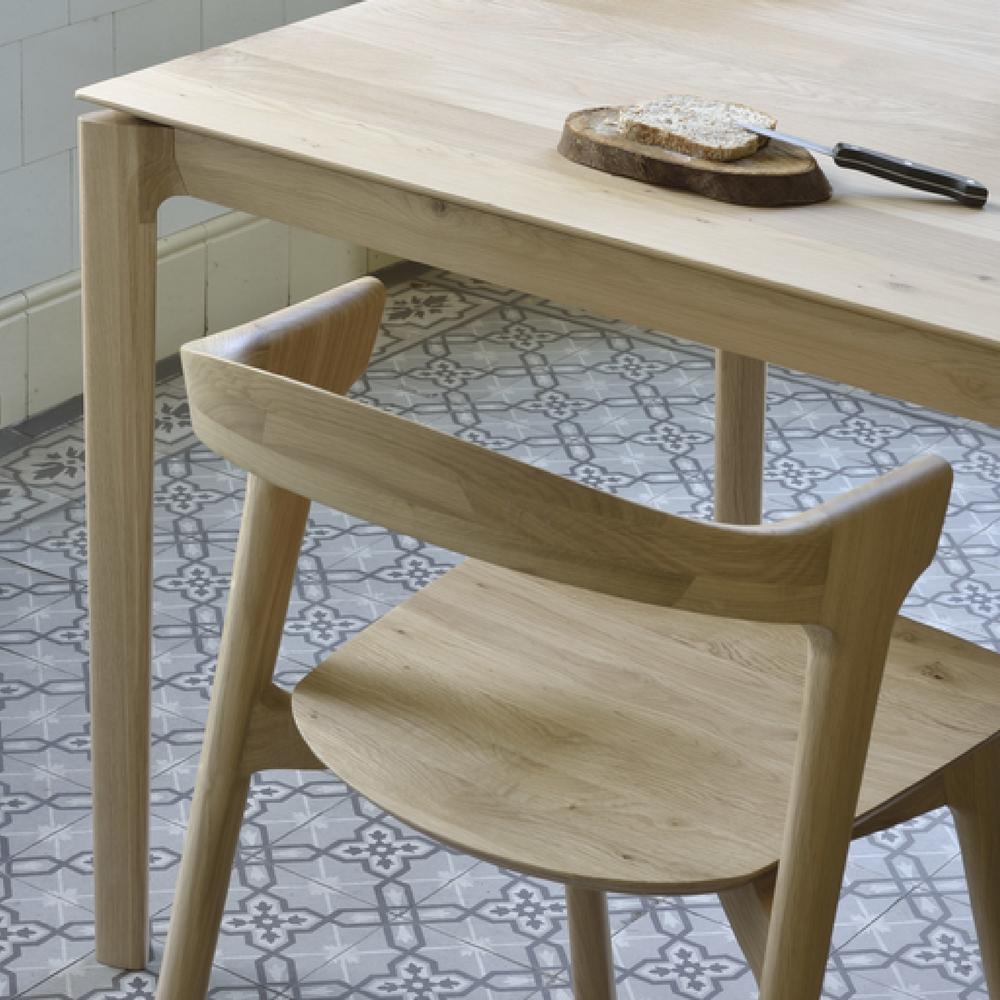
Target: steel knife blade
x=963 y=189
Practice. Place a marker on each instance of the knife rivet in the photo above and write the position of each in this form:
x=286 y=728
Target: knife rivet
x=909 y=163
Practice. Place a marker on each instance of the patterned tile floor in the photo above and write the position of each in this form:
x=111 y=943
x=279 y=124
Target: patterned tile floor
x=330 y=897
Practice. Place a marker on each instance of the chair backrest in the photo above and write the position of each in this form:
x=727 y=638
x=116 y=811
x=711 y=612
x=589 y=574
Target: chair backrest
x=268 y=397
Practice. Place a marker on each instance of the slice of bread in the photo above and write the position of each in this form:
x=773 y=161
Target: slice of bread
x=695 y=126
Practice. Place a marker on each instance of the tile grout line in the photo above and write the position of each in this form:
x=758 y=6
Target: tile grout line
x=31 y=659
x=36 y=569
x=260 y=851
x=924 y=882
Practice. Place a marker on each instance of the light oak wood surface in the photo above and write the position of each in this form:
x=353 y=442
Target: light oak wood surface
x=748 y=909
x=931 y=365
x=694 y=783
x=593 y=967
x=327 y=342
x=126 y=168
x=740 y=410
x=274 y=523
x=973 y=791
x=463 y=102
x=428 y=128
x=574 y=714
x=415 y=480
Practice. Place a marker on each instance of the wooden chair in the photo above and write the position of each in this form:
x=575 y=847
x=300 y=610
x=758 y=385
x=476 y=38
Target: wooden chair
x=603 y=694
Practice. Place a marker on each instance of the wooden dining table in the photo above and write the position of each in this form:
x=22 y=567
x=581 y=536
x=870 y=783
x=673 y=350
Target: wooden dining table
x=428 y=128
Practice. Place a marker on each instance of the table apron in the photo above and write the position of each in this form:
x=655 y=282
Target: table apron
x=941 y=369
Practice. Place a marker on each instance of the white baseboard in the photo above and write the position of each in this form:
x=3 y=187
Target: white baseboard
x=210 y=276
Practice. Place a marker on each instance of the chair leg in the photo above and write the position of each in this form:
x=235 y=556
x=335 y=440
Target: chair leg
x=748 y=909
x=973 y=785
x=593 y=969
x=270 y=535
x=200 y=898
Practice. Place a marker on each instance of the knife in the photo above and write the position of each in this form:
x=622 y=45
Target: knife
x=915 y=175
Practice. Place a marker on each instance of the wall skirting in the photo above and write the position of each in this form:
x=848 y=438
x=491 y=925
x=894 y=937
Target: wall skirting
x=210 y=276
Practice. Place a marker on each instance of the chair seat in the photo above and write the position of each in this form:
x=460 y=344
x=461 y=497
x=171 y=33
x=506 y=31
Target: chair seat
x=592 y=739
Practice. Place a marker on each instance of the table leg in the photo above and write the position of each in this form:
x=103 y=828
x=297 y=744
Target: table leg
x=740 y=391
x=126 y=169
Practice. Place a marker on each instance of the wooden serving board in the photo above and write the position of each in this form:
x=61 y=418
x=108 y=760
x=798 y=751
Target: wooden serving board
x=777 y=174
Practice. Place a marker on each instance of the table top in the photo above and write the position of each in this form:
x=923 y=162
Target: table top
x=465 y=100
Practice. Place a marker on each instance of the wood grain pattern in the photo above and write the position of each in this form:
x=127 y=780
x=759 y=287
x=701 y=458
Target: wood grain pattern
x=592 y=962
x=126 y=170
x=723 y=806
x=273 y=740
x=418 y=481
x=463 y=103
x=748 y=910
x=326 y=341
x=904 y=358
x=775 y=175
x=509 y=709
x=270 y=535
x=973 y=786
x=740 y=409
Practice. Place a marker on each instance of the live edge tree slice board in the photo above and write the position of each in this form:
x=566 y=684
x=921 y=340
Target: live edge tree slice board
x=777 y=174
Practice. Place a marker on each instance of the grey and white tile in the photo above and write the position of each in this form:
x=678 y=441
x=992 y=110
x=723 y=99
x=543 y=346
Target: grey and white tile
x=329 y=896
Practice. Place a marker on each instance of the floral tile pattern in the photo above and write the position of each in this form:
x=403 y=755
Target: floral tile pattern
x=332 y=898
x=56 y=463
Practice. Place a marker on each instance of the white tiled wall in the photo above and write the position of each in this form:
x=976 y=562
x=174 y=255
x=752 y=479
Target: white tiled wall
x=49 y=48
x=23 y=18
x=243 y=280
x=54 y=65
x=37 y=229
x=155 y=31
x=225 y=20
x=10 y=106
x=210 y=276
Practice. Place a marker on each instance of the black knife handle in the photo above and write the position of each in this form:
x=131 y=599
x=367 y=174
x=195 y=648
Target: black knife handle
x=915 y=175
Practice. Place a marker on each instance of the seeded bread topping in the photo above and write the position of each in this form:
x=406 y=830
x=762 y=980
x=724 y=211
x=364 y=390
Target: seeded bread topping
x=695 y=126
